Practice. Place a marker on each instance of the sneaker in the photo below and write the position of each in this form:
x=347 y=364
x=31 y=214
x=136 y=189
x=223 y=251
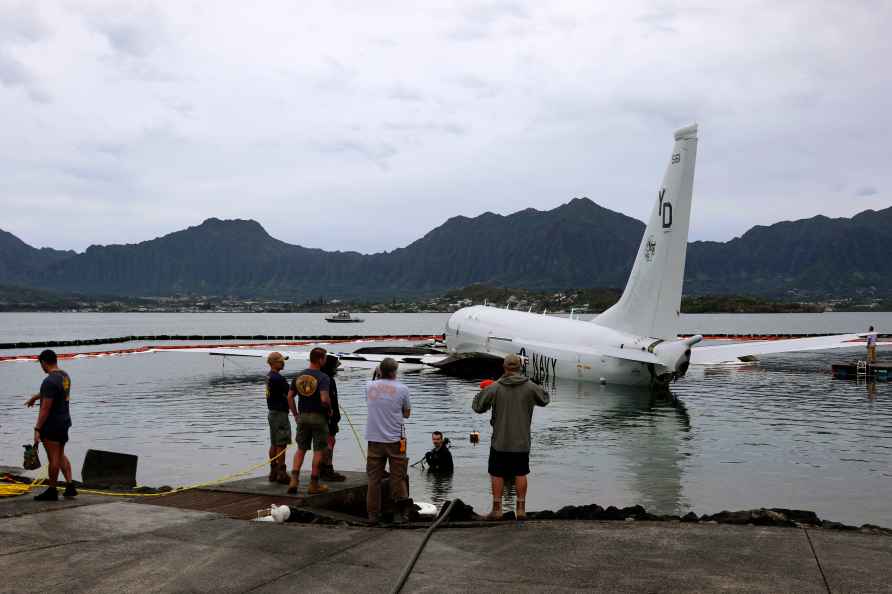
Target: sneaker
x=51 y=494
x=70 y=491
x=316 y=489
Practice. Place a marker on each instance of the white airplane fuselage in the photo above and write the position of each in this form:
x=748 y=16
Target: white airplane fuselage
x=635 y=341
x=562 y=348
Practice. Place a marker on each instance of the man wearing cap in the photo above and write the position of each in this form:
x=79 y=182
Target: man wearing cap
x=512 y=400
x=277 y=415
x=53 y=423
x=310 y=404
x=388 y=404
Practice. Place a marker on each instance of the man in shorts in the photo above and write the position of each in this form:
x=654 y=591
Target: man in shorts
x=277 y=415
x=53 y=423
x=512 y=400
x=310 y=404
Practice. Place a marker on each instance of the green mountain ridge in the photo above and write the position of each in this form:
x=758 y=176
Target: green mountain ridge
x=576 y=245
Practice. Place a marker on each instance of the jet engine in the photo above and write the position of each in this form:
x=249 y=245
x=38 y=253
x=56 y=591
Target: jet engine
x=675 y=358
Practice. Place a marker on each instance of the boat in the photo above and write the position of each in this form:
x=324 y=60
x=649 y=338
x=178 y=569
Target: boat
x=343 y=317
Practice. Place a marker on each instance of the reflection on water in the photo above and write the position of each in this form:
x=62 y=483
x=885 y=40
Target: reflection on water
x=439 y=486
x=781 y=433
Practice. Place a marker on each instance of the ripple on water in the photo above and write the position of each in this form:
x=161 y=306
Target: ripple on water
x=782 y=433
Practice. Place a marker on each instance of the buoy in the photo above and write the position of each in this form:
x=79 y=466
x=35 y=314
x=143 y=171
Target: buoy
x=280 y=513
x=426 y=509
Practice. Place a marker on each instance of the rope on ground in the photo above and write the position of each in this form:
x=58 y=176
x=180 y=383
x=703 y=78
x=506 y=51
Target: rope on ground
x=355 y=433
x=21 y=488
x=411 y=565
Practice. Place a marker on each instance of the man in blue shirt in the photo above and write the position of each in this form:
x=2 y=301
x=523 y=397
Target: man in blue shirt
x=388 y=404
x=312 y=408
x=277 y=415
x=53 y=423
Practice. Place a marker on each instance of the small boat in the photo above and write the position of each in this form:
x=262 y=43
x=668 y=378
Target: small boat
x=343 y=317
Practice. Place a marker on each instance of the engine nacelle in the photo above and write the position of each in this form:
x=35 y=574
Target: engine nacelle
x=675 y=356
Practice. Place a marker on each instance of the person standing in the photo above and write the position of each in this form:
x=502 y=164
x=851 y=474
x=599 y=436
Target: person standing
x=871 y=346
x=277 y=415
x=388 y=404
x=327 y=471
x=53 y=422
x=512 y=400
x=439 y=459
x=311 y=410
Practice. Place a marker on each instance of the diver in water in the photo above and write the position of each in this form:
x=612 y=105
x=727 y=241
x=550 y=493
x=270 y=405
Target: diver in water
x=439 y=459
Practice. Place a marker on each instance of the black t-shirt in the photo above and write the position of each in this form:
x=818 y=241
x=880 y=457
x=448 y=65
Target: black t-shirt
x=333 y=396
x=55 y=392
x=276 y=392
x=439 y=460
x=307 y=385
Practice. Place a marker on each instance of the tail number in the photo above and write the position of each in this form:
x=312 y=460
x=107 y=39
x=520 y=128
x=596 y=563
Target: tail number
x=665 y=209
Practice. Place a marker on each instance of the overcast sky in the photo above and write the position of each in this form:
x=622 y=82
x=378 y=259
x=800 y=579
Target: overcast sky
x=363 y=125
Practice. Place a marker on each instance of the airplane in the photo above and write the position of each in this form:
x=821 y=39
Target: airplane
x=635 y=342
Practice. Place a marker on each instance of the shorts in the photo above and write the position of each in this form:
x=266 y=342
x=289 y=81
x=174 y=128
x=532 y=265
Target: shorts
x=312 y=428
x=333 y=428
x=56 y=433
x=508 y=464
x=279 y=428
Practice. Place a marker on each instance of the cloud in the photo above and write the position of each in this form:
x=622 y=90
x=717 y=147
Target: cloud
x=865 y=191
x=14 y=74
x=143 y=117
x=403 y=93
x=20 y=22
x=134 y=32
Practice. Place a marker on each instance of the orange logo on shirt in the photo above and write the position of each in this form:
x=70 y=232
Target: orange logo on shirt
x=306 y=385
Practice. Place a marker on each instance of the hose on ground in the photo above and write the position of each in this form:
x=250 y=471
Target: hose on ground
x=407 y=570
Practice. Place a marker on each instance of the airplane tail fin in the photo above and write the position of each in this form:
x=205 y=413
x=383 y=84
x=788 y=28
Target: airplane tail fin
x=651 y=301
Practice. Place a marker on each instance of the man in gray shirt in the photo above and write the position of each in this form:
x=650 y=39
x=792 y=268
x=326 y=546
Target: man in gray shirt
x=512 y=400
x=388 y=402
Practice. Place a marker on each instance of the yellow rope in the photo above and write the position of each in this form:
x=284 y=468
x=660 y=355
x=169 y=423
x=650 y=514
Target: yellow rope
x=355 y=433
x=19 y=488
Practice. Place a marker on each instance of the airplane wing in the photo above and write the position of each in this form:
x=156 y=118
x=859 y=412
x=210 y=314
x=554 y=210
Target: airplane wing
x=734 y=353
x=348 y=360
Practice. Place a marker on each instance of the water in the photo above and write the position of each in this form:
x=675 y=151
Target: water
x=781 y=433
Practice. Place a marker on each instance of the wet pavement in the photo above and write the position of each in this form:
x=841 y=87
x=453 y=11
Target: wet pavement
x=103 y=545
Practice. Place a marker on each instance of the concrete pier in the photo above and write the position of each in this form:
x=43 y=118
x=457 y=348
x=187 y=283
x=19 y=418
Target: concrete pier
x=101 y=544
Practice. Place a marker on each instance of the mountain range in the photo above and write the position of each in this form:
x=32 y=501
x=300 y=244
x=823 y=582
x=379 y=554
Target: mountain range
x=578 y=244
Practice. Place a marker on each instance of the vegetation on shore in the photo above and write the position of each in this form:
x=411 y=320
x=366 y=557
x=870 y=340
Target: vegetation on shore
x=580 y=301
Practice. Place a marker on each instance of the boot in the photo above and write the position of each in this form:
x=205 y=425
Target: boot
x=51 y=494
x=293 y=483
x=315 y=487
x=70 y=491
x=273 y=472
x=328 y=474
x=282 y=476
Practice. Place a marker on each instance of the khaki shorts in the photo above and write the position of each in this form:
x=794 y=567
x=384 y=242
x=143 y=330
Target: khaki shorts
x=312 y=428
x=279 y=428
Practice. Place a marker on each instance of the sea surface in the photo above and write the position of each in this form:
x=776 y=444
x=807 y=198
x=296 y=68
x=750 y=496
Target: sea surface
x=778 y=433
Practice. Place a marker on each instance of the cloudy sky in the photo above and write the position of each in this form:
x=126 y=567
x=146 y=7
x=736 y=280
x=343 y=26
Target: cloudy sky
x=363 y=125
